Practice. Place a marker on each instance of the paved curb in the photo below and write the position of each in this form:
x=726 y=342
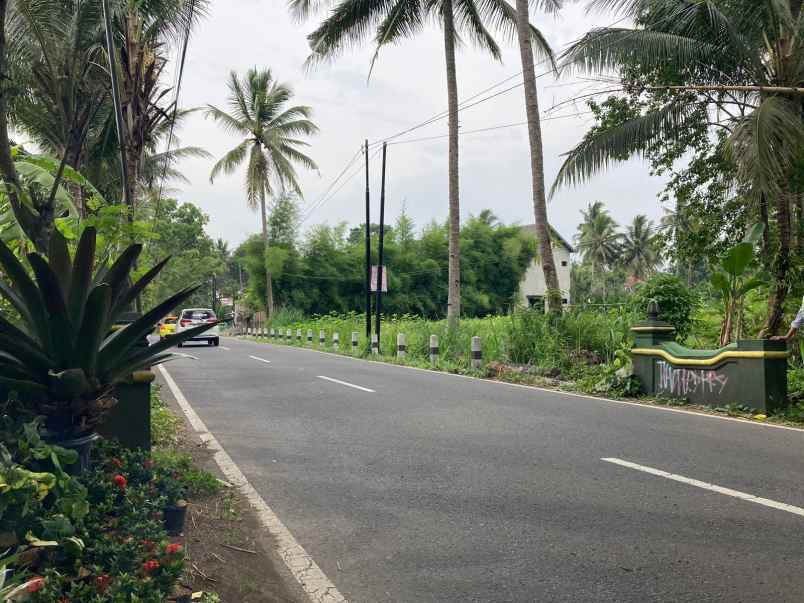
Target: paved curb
x=316 y=585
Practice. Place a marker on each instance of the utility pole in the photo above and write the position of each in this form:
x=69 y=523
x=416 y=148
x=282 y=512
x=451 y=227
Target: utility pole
x=214 y=293
x=382 y=236
x=368 y=250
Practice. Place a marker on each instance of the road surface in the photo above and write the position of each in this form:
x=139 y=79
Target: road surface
x=415 y=486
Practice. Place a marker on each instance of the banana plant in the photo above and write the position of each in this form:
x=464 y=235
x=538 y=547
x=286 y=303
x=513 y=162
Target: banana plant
x=64 y=356
x=734 y=280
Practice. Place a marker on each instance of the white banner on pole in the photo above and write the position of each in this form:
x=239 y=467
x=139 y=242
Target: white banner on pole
x=374 y=279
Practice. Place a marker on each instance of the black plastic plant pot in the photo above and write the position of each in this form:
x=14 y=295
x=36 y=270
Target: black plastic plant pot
x=83 y=446
x=174 y=516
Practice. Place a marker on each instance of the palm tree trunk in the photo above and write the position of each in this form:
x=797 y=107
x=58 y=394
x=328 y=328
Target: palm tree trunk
x=781 y=265
x=269 y=285
x=537 y=158
x=454 y=270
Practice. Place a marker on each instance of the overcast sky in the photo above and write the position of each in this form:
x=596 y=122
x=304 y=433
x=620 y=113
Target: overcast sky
x=406 y=88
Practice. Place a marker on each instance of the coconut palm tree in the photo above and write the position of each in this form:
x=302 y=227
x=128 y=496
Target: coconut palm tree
x=638 y=248
x=352 y=22
x=536 y=151
x=597 y=238
x=740 y=62
x=270 y=146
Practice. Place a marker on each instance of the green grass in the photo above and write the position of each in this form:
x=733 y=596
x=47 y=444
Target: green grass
x=164 y=424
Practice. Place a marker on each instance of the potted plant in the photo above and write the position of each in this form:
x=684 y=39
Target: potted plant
x=63 y=356
x=171 y=487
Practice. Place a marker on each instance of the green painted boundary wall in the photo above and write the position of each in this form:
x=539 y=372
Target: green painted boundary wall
x=750 y=372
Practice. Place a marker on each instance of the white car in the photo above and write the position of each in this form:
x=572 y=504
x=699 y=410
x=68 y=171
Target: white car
x=192 y=317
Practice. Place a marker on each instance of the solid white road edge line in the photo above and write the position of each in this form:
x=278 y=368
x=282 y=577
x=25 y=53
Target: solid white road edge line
x=706 y=486
x=361 y=388
x=548 y=390
x=260 y=359
x=315 y=583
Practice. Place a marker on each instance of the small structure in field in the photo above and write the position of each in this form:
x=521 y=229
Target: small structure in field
x=533 y=289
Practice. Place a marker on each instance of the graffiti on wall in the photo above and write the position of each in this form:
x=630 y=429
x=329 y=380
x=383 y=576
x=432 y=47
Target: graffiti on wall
x=685 y=381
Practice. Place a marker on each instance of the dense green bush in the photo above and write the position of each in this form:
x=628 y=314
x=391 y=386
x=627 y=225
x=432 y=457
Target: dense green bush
x=676 y=302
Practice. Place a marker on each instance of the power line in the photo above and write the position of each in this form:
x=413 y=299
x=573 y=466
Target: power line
x=324 y=200
x=488 y=129
x=335 y=181
x=445 y=113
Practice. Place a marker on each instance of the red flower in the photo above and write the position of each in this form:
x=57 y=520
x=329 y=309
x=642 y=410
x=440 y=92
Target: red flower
x=150 y=566
x=36 y=584
x=148 y=544
x=102 y=582
x=172 y=549
x=117 y=463
x=120 y=481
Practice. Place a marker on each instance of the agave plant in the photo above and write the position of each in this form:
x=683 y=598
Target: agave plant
x=64 y=356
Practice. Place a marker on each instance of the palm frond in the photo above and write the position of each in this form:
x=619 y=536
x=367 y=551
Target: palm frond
x=403 y=20
x=469 y=20
x=349 y=24
x=229 y=162
x=230 y=123
x=768 y=143
x=633 y=137
x=606 y=48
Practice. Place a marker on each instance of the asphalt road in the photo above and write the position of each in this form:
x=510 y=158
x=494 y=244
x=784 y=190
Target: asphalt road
x=440 y=488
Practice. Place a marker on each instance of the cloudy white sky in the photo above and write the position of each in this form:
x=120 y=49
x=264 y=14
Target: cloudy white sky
x=406 y=88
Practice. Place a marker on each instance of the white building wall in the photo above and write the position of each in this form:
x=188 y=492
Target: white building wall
x=533 y=284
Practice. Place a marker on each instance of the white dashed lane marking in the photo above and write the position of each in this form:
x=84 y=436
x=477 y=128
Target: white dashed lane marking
x=338 y=381
x=260 y=359
x=766 y=502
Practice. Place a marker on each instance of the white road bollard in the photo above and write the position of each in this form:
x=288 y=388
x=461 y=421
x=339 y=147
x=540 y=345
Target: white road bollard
x=273 y=332
x=434 y=349
x=375 y=345
x=477 y=354
x=335 y=341
x=355 y=336
x=400 y=345
x=322 y=339
x=309 y=338
x=298 y=336
x=289 y=336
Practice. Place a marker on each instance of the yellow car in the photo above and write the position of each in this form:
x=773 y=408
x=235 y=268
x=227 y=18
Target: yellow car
x=167 y=326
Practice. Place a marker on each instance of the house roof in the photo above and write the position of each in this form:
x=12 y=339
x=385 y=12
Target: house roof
x=531 y=228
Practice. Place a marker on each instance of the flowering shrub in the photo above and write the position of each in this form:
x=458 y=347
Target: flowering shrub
x=94 y=538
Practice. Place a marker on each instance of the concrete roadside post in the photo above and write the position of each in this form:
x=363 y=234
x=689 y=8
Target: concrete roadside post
x=375 y=345
x=298 y=336
x=289 y=336
x=355 y=335
x=434 y=350
x=273 y=333
x=309 y=338
x=400 y=345
x=335 y=341
x=322 y=339
x=477 y=354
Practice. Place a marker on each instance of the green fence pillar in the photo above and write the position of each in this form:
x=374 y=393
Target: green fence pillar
x=129 y=421
x=649 y=333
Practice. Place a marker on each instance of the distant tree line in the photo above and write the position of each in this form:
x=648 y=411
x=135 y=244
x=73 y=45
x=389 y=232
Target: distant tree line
x=324 y=270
